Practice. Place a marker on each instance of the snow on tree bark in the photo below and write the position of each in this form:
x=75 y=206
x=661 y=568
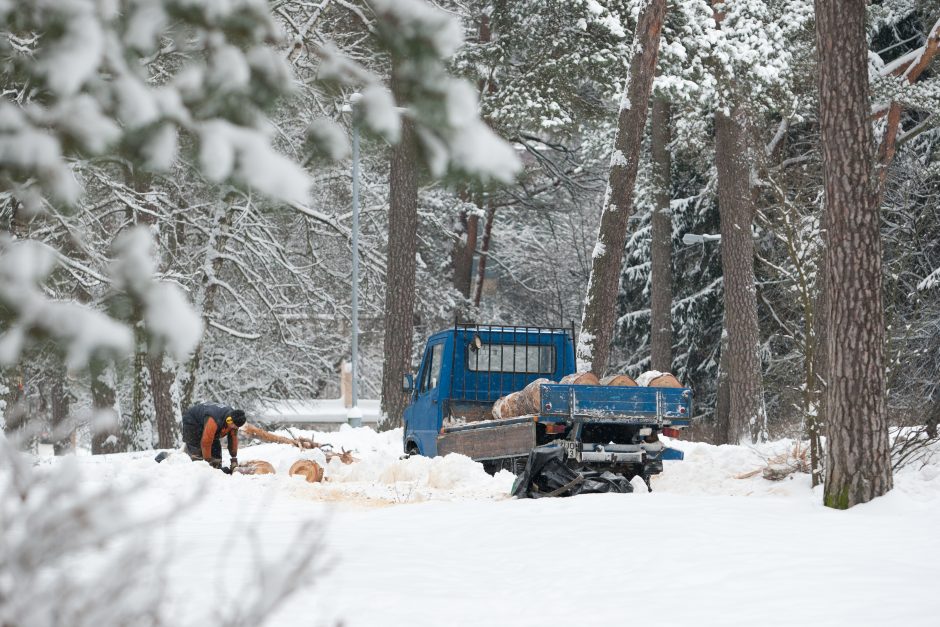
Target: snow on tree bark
x=819 y=363
x=484 y=253
x=60 y=403
x=164 y=409
x=106 y=434
x=746 y=417
x=599 y=317
x=661 y=245
x=858 y=466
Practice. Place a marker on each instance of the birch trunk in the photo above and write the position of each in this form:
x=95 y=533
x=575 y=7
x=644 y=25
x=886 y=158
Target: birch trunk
x=858 y=466
x=597 y=324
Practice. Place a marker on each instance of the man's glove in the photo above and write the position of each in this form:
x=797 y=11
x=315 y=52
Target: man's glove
x=215 y=462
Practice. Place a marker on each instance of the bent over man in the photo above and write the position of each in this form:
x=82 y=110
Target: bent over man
x=205 y=425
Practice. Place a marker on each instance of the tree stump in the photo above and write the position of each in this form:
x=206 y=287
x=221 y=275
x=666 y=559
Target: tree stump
x=255 y=467
x=311 y=470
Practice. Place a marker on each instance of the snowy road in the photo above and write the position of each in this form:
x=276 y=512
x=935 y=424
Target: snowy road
x=420 y=542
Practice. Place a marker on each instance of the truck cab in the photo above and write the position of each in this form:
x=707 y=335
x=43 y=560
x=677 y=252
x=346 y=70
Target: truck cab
x=465 y=369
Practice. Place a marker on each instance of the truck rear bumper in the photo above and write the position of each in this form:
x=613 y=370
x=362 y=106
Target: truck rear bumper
x=612 y=457
x=645 y=458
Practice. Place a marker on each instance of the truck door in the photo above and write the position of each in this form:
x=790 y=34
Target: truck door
x=427 y=414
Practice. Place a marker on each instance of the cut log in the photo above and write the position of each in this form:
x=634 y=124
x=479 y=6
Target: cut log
x=308 y=468
x=525 y=402
x=255 y=467
x=532 y=396
x=509 y=406
x=621 y=380
x=580 y=378
x=665 y=380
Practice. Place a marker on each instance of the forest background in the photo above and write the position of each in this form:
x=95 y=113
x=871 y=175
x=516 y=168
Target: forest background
x=266 y=266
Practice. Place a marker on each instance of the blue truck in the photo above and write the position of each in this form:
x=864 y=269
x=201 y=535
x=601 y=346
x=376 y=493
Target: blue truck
x=466 y=368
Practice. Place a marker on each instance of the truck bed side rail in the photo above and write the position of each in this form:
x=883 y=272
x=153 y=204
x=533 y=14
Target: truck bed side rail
x=672 y=406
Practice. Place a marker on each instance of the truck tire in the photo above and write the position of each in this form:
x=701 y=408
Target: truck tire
x=412 y=449
x=491 y=466
x=515 y=465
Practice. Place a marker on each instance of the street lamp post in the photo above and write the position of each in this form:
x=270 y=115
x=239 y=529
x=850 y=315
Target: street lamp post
x=694 y=238
x=354 y=414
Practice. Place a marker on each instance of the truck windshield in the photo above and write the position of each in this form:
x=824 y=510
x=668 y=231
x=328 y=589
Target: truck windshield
x=512 y=358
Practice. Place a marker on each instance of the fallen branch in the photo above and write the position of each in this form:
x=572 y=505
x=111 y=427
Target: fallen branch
x=344 y=456
x=781 y=466
x=267 y=436
x=300 y=442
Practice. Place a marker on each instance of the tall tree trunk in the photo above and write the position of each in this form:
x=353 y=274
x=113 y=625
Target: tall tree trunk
x=15 y=412
x=723 y=398
x=400 y=273
x=146 y=430
x=106 y=432
x=597 y=324
x=858 y=465
x=206 y=296
x=464 y=249
x=60 y=401
x=661 y=246
x=469 y=224
x=484 y=253
x=12 y=387
x=746 y=416
x=161 y=380
x=138 y=426
x=818 y=368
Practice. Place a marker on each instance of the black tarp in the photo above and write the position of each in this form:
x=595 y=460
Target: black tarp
x=548 y=474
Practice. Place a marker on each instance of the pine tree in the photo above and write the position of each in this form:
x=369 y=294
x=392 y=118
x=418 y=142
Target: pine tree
x=598 y=321
x=858 y=465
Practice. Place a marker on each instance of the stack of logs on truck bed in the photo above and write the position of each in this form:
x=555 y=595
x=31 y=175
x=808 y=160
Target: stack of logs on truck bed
x=522 y=403
x=528 y=400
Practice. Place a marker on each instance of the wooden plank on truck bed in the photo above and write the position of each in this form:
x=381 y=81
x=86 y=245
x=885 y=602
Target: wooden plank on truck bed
x=498 y=440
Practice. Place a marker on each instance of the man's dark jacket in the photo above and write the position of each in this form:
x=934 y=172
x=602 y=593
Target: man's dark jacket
x=203 y=429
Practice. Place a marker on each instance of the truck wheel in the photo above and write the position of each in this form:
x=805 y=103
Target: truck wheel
x=491 y=467
x=412 y=450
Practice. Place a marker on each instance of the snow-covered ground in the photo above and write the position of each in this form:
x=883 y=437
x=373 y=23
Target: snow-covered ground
x=437 y=542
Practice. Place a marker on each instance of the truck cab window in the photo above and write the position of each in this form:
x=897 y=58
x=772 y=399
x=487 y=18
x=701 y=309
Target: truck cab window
x=512 y=358
x=432 y=374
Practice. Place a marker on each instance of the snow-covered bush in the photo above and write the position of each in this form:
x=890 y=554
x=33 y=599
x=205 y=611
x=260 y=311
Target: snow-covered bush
x=74 y=552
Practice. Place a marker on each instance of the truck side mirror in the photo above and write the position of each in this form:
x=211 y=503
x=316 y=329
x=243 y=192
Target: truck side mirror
x=408 y=383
